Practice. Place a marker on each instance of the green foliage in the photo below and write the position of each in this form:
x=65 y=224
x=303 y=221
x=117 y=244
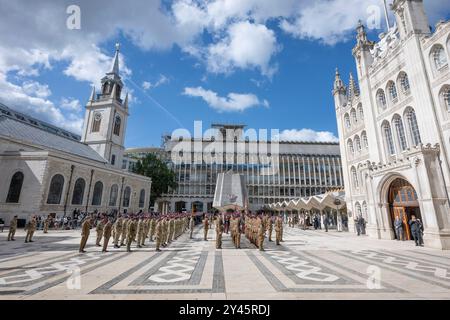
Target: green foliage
x=162 y=176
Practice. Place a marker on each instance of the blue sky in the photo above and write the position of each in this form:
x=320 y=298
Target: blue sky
x=267 y=64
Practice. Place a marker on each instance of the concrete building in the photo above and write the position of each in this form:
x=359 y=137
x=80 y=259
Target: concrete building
x=285 y=171
x=394 y=126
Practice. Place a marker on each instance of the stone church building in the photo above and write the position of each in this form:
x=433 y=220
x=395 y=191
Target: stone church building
x=394 y=126
x=48 y=170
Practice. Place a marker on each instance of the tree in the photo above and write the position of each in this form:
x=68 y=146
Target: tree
x=162 y=176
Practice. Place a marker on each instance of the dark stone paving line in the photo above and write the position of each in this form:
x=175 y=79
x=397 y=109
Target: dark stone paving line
x=280 y=287
x=217 y=287
x=402 y=271
x=56 y=282
x=362 y=275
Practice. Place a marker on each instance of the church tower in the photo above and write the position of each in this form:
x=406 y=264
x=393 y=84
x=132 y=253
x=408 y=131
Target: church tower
x=106 y=116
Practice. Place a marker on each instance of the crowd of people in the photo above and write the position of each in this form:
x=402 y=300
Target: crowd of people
x=126 y=229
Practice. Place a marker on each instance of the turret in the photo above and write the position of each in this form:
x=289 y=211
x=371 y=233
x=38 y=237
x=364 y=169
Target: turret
x=361 y=51
x=339 y=91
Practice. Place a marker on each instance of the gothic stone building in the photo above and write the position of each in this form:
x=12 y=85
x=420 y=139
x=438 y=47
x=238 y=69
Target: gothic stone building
x=48 y=170
x=394 y=127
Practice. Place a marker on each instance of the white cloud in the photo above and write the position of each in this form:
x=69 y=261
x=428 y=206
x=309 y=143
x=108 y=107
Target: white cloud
x=231 y=103
x=246 y=46
x=18 y=98
x=35 y=89
x=308 y=135
x=146 y=85
x=334 y=21
x=71 y=104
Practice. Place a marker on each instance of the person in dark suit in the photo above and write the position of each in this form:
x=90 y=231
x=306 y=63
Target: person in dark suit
x=416 y=230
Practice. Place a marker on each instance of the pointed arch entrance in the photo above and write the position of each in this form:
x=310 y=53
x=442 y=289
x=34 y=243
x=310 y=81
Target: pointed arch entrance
x=403 y=203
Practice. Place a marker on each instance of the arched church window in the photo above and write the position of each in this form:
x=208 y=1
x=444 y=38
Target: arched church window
x=142 y=198
x=351 y=149
x=126 y=197
x=365 y=142
x=404 y=83
x=446 y=97
x=413 y=126
x=113 y=195
x=358 y=144
x=392 y=89
x=78 y=191
x=361 y=112
x=388 y=138
x=438 y=56
x=355 y=178
x=353 y=115
x=113 y=159
x=15 y=188
x=398 y=123
x=381 y=98
x=98 y=193
x=97 y=122
x=348 y=124
x=55 y=190
x=364 y=210
x=117 y=124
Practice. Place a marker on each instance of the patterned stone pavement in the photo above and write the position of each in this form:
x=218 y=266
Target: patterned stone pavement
x=309 y=265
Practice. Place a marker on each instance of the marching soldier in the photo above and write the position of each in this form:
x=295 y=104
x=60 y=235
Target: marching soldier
x=107 y=229
x=219 y=231
x=85 y=230
x=205 y=228
x=123 y=236
x=152 y=228
x=191 y=226
x=118 y=225
x=261 y=233
x=171 y=229
x=46 y=224
x=140 y=232
x=278 y=230
x=270 y=228
x=12 y=229
x=99 y=230
x=159 y=234
x=30 y=228
x=131 y=233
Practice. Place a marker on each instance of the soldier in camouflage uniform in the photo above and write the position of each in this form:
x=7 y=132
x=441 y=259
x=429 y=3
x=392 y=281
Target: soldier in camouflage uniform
x=99 y=230
x=30 y=228
x=107 y=229
x=152 y=228
x=278 y=229
x=12 y=229
x=140 y=232
x=123 y=236
x=205 y=228
x=261 y=233
x=47 y=223
x=131 y=232
x=85 y=230
x=270 y=228
x=159 y=234
x=219 y=232
x=118 y=225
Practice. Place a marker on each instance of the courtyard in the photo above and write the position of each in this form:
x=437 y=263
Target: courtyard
x=310 y=264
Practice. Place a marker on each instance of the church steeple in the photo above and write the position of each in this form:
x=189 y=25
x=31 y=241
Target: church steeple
x=106 y=117
x=115 y=66
x=112 y=81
